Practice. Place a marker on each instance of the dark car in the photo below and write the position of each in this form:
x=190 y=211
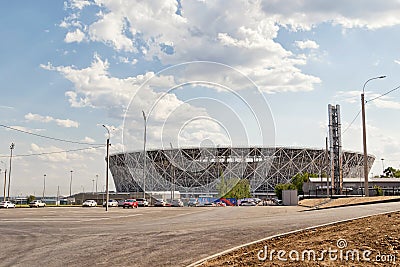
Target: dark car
x=130 y=203
x=193 y=202
x=142 y=202
x=176 y=203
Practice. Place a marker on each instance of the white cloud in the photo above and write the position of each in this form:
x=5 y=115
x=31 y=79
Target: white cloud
x=95 y=87
x=386 y=102
x=51 y=153
x=308 y=44
x=304 y=15
x=239 y=35
x=67 y=123
x=78 y=4
x=75 y=36
x=397 y=61
x=88 y=140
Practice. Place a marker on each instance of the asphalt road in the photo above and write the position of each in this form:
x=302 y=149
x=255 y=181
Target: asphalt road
x=148 y=236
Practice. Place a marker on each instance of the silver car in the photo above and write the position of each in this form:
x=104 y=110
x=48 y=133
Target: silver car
x=177 y=203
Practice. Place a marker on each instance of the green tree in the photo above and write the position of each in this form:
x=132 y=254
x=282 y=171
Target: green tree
x=240 y=190
x=30 y=198
x=391 y=172
x=298 y=180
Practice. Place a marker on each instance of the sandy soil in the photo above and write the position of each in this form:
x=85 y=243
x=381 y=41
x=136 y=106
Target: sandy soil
x=376 y=241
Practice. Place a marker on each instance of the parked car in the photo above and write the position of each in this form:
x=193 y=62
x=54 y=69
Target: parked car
x=247 y=203
x=142 y=202
x=160 y=203
x=130 y=203
x=277 y=201
x=209 y=204
x=37 y=204
x=111 y=203
x=193 y=202
x=7 y=204
x=220 y=204
x=121 y=203
x=89 y=203
x=176 y=203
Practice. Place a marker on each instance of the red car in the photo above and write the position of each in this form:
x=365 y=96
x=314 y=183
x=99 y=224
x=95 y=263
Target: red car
x=130 y=203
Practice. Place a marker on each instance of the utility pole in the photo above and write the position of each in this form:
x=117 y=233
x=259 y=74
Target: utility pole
x=58 y=195
x=97 y=179
x=5 y=185
x=70 y=185
x=327 y=168
x=44 y=185
x=366 y=186
x=173 y=174
x=107 y=166
x=144 y=154
x=12 y=146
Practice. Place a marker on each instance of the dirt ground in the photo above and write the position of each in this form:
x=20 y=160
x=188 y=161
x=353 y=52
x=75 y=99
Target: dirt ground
x=371 y=241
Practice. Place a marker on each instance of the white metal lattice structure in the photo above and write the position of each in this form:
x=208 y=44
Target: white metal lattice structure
x=200 y=170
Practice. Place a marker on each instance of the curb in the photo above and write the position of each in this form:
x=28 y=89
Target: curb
x=199 y=262
x=354 y=204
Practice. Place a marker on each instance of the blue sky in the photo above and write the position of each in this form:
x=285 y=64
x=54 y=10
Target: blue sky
x=70 y=66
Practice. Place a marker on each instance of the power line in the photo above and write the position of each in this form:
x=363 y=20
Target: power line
x=55 y=152
x=48 y=137
x=388 y=92
x=358 y=114
x=351 y=123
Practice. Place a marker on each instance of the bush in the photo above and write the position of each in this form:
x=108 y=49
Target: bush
x=379 y=191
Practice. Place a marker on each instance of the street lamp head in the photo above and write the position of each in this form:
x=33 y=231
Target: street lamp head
x=108 y=131
x=144 y=115
x=381 y=77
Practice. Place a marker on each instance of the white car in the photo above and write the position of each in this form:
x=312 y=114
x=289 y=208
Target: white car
x=37 y=204
x=89 y=203
x=7 y=204
x=111 y=203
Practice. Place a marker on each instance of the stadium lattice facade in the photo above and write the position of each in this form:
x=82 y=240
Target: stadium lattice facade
x=200 y=170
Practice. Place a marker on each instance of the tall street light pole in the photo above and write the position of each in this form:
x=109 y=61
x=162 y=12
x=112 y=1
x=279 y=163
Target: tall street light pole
x=70 y=185
x=12 y=146
x=144 y=154
x=5 y=180
x=365 y=136
x=97 y=179
x=44 y=185
x=107 y=166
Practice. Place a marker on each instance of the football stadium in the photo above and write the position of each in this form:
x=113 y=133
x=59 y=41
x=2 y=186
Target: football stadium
x=200 y=171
